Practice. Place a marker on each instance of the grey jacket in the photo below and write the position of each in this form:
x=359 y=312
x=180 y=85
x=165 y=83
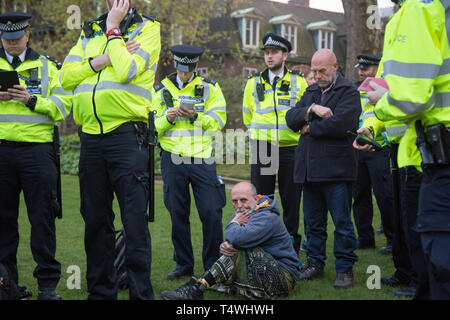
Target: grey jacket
x=265 y=229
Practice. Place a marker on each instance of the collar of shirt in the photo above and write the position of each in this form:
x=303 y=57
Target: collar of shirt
x=21 y=56
x=273 y=75
x=331 y=85
x=181 y=83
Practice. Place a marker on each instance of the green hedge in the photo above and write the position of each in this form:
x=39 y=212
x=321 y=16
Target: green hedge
x=70 y=155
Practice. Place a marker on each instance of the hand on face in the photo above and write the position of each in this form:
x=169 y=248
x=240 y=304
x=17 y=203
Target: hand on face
x=117 y=12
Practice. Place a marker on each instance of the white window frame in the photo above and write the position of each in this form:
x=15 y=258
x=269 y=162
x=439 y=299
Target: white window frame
x=202 y=72
x=249 y=23
x=248 y=71
x=325 y=39
x=289 y=31
x=176 y=34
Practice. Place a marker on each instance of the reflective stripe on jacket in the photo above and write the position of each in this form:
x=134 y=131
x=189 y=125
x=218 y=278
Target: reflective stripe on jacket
x=185 y=137
x=18 y=122
x=121 y=92
x=266 y=120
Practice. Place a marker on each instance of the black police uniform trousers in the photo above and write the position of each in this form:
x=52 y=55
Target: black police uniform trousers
x=434 y=227
x=209 y=194
x=115 y=163
x=29 y=167
x=290 y=192
x=406 y=253
x=373 y=173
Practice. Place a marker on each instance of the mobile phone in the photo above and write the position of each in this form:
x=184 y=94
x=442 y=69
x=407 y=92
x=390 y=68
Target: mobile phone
x=363 y=140
x=187 y=104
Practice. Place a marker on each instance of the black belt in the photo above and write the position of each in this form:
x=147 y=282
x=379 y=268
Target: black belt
x=8 y=143
x=125 y=127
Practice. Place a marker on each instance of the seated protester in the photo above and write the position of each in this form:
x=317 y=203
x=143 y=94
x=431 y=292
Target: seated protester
x=258 y=260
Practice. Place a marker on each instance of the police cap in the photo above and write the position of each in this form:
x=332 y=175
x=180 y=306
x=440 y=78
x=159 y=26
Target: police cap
x=274 y=41
x=186 y=57
x=367 y=60
x=13 y=25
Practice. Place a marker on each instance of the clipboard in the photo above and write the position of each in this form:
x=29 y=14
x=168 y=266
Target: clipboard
x=366 y=87
x=8 y=79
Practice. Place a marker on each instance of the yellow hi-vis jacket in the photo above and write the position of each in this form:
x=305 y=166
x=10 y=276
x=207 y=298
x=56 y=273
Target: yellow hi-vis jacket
x=416 y=63
x=185 y=137
x=266 y=119
x=366 y=114
x=121 y=92
x=18 y=122
x=395 y=131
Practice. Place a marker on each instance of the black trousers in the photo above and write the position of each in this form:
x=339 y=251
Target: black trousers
x=31 y=169
x=373 y=173
x=433 y=224
x=115 y=164
x=263 y=177
x=178 y=173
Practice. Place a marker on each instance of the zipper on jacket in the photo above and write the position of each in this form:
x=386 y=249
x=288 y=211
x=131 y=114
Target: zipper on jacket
x=274 y=88
x=93 y=95
x=94 y=105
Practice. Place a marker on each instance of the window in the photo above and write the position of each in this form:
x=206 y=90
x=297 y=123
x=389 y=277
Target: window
x=202 y=72
x=289 y=32
x=323 y=33
x=176 y=34
x=325 y=39
x=247 y=72
x=250 y=32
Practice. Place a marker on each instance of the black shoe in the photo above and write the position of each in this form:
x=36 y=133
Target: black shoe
x=191 y=290
x=179 y=274
x=364 y=245
x=393 y=281
x=25 y=294
x=409 y=292
x=48 y=294
x=386 y=250
x=311 y=271
x=344 y=280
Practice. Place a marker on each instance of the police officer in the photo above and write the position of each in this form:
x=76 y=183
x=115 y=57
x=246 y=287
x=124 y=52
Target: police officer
x=111 y=70
x=190 y=109
x=406 y=177
x=415 y=64
x=28 y=115
x=268 y=96
x=373 y=173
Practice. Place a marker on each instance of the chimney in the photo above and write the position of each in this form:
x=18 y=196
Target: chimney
x=299 y=3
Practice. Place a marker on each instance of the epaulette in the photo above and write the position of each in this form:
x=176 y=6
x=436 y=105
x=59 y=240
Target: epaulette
x=58 y=64
x=297 y=72
x=149 y=18
x=210 y=81
x=254 y=75
x=158 y=87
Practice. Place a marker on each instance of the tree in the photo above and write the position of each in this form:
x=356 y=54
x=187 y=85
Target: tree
x=364 y=32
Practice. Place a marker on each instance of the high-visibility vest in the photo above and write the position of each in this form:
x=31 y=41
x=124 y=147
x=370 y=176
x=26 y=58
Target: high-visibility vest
x=416 y=62
x=395 y=131
x=264 y=107
x=39 y=74
x=121 y=92
x=186 y=137
x=367 y=112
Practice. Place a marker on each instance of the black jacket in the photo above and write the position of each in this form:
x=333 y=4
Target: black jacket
x=326 y=153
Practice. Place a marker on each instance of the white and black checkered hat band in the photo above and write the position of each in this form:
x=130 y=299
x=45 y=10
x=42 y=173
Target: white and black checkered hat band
x=13 y=27
x=364 y=61
x=275 y=43
x=186 y=60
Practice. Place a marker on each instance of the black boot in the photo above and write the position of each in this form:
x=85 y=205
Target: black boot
x=191 y=290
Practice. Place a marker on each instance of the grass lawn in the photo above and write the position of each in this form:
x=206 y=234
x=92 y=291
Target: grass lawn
x=70 y=251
